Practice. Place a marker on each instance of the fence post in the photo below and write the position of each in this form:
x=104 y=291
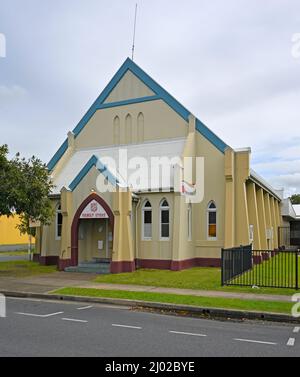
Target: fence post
x=222 y=267
x=297 y=270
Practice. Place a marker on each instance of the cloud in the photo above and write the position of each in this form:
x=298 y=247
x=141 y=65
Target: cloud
x=229 y=62
x=11 y=94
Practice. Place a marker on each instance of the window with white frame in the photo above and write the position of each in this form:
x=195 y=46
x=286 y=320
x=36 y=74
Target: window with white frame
x=59 y=221
x=212 y=221
x=164 y=220
x=189 y=218
x=147 y=221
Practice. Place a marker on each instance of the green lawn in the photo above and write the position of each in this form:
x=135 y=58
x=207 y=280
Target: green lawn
x=195 y=278
x=24 y=269
x=280 y=270
x=206 y=302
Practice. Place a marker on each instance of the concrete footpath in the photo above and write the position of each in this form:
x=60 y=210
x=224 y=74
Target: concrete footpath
x=50 y=282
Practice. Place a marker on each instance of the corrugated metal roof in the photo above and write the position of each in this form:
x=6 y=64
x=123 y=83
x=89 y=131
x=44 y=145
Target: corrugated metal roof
x=264 y=184
x=297 y=209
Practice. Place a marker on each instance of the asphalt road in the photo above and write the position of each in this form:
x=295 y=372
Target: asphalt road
x=41 y=328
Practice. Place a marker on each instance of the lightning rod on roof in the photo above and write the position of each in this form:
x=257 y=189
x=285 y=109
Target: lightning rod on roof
x=134 y=31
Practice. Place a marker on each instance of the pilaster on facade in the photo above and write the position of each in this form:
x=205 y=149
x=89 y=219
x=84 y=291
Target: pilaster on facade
x=253 y=214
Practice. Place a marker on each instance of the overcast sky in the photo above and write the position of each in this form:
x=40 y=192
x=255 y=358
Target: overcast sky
x=229 y=62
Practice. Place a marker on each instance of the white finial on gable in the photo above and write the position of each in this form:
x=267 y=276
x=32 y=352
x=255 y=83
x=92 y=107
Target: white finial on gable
x=71 y=140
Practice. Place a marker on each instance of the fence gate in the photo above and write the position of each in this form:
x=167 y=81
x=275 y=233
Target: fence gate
x=262 y=268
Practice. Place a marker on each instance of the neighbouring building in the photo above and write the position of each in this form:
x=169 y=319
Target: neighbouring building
x=10 y=237
x=151 y=227
x=289 y=232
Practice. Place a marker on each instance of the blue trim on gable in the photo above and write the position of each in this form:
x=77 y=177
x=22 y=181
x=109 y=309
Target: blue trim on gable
x=58 y=155
x=128 y=102
x=93 y=162
x=160 y=93
x=103 y=96
x=209 y=135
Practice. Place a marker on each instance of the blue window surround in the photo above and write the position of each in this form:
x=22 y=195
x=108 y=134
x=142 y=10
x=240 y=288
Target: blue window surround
x=93 y=162
x=160 y=94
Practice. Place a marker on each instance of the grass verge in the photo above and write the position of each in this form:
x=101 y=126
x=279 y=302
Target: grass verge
x=24 y=269
x=195 y=278
x=207 y=302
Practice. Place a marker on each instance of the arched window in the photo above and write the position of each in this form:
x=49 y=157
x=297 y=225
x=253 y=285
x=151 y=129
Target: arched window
x=128 y=129
x=164 y=220
x=212 y=221
x=140 y=128
x=117 y=130
x=58 y=222
x=190 y=222
x=147 y=221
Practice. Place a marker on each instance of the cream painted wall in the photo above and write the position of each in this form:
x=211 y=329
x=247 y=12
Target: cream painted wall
x=88 y=186
x=129 y=87
x=50 y=246
x=214 y=190
x=155 y=249
x=160 y=123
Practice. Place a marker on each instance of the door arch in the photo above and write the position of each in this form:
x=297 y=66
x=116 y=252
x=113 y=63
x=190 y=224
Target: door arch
x=75 y=223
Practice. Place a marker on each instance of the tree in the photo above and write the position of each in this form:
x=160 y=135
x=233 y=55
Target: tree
x=25 y=186
x=295 y=199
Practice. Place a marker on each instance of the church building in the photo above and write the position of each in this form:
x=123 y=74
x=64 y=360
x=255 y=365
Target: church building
x=133 y=223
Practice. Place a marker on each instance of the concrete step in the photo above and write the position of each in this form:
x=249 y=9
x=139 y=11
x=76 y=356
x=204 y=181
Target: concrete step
x=91 y=268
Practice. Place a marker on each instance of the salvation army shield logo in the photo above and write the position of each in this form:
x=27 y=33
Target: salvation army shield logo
x=94 y=207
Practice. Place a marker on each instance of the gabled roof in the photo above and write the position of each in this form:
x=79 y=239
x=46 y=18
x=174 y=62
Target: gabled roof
x=160 y=94
x=94 y=162
x=108 y=159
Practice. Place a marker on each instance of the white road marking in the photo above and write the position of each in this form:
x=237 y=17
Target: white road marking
x=85 y=308
x=187 y=333
x=127 y=327
x=296 y=330
x=291 y=342
x=256 y=341
x=39 y=315
x=74 y=320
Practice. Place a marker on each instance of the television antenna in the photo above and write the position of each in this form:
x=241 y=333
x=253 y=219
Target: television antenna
x=134 y=31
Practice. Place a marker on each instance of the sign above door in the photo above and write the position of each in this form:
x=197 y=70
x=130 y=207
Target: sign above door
x=94 y=210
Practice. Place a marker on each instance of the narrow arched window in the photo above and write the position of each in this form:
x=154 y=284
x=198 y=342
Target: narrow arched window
x=147 y=221
x=212 y=221
x=190 y=222
x=128 y=129
x=58 y=222
x=116 y=130
x=140 y=128
x=164 y=220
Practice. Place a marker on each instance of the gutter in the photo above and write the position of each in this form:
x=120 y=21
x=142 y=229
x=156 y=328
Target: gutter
x=254 y=177
x=170 y=309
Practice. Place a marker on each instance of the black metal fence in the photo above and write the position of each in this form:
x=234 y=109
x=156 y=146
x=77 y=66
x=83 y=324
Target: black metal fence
x=262 y=268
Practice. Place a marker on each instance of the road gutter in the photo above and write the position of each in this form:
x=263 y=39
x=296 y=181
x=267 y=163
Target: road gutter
x=171 y=309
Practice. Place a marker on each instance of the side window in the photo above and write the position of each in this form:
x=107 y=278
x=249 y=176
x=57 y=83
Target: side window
x=147 y=221
x=58 y=222
x=164 y=220
x=212 y=221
